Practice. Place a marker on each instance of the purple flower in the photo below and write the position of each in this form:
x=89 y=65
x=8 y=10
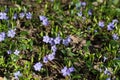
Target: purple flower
x=16 y=52
x=38 y=66
x=53 y=53
x=66 y=41
x=51 y=41
x=95 y=30
x=71 y=69
x=42 y=18
x=107 y=71
x=51 y=57
x=57 y=40
x=2 y=36
x=17 y=74
x=80 y=13
x=114 y=21
x=90 y=12
x=65 y=71
x=15 y=16
x=101 y=24
x=108 y=79
x=83 y=3
x=110 y=26
x=45 y=59
x=9 y=52
x=11 y=33
x=28 y=15
x=3 y=16
x=45 y=22
x=46 y=39
x=104 y=59
x=115 y=36
x=6 y=10
x=21 y=15
x=54 y=48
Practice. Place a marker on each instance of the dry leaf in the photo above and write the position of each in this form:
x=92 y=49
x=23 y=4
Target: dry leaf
x=75 y=39
x=95 y=3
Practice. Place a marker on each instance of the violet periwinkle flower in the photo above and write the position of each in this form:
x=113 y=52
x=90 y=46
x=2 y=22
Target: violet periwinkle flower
x=107 y=71
x=108 y=79
x=45 y=59
x=71 y=69
x=3 y=16
x=2 y=36
x=95 y=30
x=38 y=66
x=90 y=12
x=114 y=21
x=80 y=13
x=11 y=33
x=9 y=52
x=51 y=41
x=67 y=71
x=104 y=59
x=83 y=4
x=28 y=15
x=16 y=52
x=15 y=16
x=110 y=26
x=51 y=57
x=44 y=20
x=17 y=74
x=54 y=48
x=53 y=53
x=46 y=39
x=21 y=15
x=88 y=28
x=66 y=41
x=101 y=24
x=6 y=10
x=115 y=36
x=57 y=40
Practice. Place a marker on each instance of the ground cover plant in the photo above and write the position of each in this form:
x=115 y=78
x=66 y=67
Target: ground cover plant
x=59 y=40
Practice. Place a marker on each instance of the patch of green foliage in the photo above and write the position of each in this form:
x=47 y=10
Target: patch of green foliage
x=93 y=51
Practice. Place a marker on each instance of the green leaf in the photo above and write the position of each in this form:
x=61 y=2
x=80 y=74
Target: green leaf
x=118 y=9
x=71 y=54
x=77 y=76
x=88 y=43
x=23 y=32
x=115 y=2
